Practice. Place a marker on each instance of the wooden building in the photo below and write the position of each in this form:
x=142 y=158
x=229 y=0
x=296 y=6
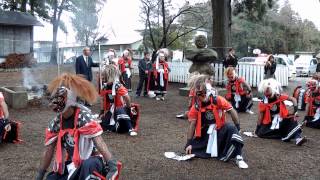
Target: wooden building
x=16 y=32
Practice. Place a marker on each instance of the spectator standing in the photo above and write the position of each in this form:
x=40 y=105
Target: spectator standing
x=231 y=60
x=270 y=68
x=144 y=68
x=84 y=64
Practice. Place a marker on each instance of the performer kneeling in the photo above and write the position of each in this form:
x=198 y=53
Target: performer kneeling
x=301 y=94
x=274 y=119
x=116 y=106
x=8 y=129
x=238 y=91
x=74 y=135
x=208 y=134
x=313 y=105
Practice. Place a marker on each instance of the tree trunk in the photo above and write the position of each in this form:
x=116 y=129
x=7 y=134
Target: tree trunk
x=144 y=36
x=221 y=15
x=13 y=5
x=53 y=57
x=23 y=7
x=164 y=24
x=87 y=40
x=55 y=23
x=32 y=6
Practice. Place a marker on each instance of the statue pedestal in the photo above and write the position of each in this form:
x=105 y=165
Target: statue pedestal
x=185 y=91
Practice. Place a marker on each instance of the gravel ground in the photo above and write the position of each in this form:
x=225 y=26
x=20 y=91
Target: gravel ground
x=160 y=131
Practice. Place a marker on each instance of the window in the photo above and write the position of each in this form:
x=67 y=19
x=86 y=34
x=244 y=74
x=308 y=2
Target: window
x=314 y=61
x=280 y=61
x=290 y=62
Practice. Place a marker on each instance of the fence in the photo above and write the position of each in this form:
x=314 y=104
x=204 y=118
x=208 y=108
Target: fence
x=253 y=73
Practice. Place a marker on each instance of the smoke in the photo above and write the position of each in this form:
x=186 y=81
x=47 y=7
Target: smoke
x=28 y=80
x=34 y=88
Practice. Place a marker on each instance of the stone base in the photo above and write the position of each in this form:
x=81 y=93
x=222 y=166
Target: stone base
x=15 y=97
x=185 y=91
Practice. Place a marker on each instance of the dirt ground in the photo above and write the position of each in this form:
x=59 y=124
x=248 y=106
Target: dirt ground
x=160 y=131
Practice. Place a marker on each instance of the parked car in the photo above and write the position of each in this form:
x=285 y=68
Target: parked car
x=70 y=60
x=247 y=59
x=285 y=60
x=305 y=66
x=261 y=59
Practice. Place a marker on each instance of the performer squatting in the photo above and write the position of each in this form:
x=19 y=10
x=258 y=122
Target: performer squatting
x=209 y=135
x=313 y=105
x=274 y=120
x=238 y=91
x=74 y=135
x=8 y=129
x=116 y=105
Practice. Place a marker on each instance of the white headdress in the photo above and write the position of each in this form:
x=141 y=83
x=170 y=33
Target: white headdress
x=125 y=52
x=158 y=59
x=271 y=83
x=111 y=53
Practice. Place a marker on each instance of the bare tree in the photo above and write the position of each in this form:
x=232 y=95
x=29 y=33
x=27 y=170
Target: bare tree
x=58 y=7
x=171 y=30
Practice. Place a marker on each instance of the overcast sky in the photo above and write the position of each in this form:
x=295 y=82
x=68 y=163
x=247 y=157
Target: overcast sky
x=123 y=17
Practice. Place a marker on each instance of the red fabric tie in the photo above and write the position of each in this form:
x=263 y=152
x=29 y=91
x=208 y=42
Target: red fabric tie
x=219 y=120
x=89 y=129
x=266 y=109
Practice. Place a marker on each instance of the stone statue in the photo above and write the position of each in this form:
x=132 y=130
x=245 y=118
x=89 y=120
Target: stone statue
x=201 y=57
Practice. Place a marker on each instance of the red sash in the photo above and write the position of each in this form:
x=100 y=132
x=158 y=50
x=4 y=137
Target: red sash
x=165 y=68
x=266 y=109
x=122 y=63
x=239 y=88
x=310 y=99
x=219 y=120
x=88 y=129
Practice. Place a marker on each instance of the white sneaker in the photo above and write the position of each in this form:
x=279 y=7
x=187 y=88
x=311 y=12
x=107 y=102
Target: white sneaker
x=162 y=98
x=157 y=98
x=300 y=141
x=180 y=116
x=133 y=133
x=249 y=111
x=241 y=163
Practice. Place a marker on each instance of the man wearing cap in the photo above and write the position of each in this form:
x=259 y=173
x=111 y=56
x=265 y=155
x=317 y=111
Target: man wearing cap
x=84 y=64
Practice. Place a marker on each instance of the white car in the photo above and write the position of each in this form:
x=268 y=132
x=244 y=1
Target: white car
x=313 y=66
x=285 y=60
x=261 y=59
x=305 y=66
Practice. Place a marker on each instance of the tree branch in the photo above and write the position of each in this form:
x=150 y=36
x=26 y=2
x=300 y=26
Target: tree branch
x=180 y=35
x=148 y=9
x=166 y=29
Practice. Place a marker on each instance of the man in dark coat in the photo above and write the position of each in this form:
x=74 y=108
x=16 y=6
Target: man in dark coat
x=84 y=64
x=231 y=60
x=144 y=67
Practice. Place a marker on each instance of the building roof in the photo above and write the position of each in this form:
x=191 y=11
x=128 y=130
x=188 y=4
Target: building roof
x=18 y=18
